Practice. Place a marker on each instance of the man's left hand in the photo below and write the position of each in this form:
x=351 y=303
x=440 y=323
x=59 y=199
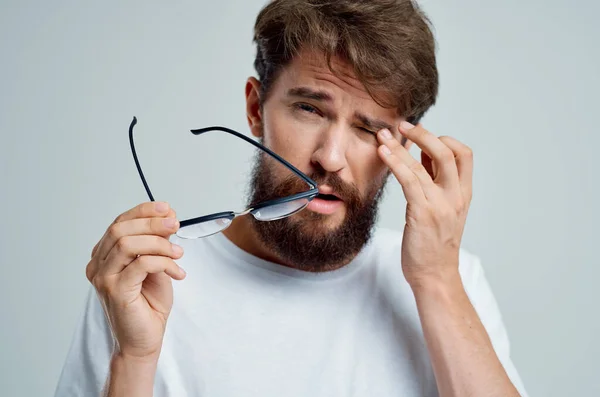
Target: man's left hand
x=438 y=191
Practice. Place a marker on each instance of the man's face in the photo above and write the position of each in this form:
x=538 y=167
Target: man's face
x=324 y=125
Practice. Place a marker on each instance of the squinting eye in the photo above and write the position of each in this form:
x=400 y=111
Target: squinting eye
x=306 y=107
x=368 y=131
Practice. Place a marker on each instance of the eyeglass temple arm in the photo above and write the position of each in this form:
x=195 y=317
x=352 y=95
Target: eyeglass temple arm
x=311 y=183
x=135 y=158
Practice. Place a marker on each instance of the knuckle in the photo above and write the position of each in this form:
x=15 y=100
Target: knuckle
x=147 y=207
x=412 y=180
x=448 y=140
x=160 y=241
x=98 y=283
x=152 y=225
x=119 y=218
x=424 y=214
x=415 y=166
x=123 y=244
x=110 y=289
x=157 y=227
x=158 y=244
x=467 y=152
x=164 y=244
x=114 y=231
x=464 y=203
x=89 y=271
x=446 y=213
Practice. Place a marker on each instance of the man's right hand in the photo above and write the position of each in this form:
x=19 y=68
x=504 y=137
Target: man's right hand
x=131 y=269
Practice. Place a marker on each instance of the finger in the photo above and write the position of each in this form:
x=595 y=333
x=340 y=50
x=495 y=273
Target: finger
x=442 y=156
x=144 y=210
x=139 y=269
x=150 y=209
x=163 y=227
x=411 y=185
x=406 y=158
x=111 y=235
x=464 y=163
x=127 y=249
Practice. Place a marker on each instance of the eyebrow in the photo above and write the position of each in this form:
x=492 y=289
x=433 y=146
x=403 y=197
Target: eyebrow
x=373 y=124
x=308 y=93
x=322 y=96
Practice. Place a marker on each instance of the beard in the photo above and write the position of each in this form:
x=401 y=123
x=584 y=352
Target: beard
x=303 y=240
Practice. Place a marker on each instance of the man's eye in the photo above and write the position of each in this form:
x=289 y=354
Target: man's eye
x=306 y=107
x=368 y=131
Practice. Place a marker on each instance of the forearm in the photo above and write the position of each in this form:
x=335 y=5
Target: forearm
x=130 y=377
x=463 y=358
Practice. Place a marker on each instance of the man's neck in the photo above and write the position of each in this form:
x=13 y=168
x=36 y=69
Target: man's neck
x=242 y=233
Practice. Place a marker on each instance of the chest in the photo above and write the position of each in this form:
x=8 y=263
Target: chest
x=343 y=341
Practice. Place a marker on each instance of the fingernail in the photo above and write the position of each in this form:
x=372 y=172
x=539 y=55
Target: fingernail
x=177 y=249
x=386 y=150
x=182 y=271
x=169 y=222
x=386 y=134
x=405 y=125
x=162 y=207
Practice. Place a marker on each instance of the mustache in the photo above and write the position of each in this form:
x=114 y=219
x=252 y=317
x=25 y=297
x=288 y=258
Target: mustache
x=348 y=192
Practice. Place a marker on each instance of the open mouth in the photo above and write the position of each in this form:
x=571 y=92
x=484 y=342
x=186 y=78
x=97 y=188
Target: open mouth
x=325 y=203
x=328 y=197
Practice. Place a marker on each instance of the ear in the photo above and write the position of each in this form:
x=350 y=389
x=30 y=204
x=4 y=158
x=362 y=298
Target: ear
x=253 y=111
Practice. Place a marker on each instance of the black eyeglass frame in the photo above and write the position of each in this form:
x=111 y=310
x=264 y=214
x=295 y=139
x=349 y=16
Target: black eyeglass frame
x=308 y=195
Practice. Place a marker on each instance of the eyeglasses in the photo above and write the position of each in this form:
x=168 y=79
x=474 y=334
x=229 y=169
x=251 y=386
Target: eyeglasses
x=270 y=210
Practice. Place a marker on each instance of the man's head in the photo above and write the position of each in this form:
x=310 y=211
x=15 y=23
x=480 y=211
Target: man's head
x=330 y=75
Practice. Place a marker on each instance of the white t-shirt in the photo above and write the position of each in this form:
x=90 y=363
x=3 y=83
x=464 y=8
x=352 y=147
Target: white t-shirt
x=242 y=326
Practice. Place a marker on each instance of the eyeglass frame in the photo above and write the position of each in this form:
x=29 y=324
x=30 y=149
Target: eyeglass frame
x=309 y=194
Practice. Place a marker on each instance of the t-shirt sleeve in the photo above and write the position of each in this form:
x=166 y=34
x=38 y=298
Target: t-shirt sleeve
x=86 y=368
x=482 y=299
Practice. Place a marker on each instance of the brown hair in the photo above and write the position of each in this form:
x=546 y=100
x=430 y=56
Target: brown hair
x=389 y=44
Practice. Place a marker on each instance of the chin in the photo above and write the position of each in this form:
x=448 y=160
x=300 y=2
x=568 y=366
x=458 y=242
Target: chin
x=314 y=222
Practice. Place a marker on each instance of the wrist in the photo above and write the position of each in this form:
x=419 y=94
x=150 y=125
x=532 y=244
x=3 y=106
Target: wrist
x=439 y=283
x=131 y=376
x=135 y=361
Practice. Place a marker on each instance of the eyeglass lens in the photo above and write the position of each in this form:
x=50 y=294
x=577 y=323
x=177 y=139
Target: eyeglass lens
x=269 y=213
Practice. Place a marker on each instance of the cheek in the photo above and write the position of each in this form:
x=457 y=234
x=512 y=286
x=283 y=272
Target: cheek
x=367 y=168
x=290 y=138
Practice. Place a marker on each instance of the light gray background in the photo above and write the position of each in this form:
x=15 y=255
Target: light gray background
x=519 y=84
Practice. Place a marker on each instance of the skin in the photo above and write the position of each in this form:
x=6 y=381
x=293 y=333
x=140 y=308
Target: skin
x=136 y=292
x=308 y=132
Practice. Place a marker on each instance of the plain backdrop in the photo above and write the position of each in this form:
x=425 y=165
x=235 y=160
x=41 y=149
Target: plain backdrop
x=519 y=84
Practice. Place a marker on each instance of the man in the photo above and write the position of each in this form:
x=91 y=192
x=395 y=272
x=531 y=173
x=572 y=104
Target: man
x=314 y=304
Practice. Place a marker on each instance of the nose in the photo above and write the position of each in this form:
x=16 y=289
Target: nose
x=330 y=152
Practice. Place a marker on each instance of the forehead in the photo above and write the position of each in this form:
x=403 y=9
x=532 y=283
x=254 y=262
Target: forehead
x=310 y=69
